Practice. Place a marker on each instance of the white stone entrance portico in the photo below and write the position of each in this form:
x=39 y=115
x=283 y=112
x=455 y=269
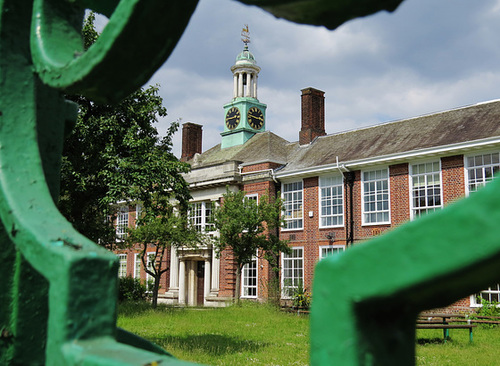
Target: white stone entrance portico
x=194 y=277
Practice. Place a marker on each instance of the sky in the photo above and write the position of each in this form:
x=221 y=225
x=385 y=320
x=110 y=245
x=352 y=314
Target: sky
x=427 y=56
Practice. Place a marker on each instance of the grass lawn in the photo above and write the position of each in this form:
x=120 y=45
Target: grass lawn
x=250 y=334
x=261 y=335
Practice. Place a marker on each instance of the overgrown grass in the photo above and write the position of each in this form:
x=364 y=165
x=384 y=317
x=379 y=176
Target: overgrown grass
x=238 y=335
x=261 y=335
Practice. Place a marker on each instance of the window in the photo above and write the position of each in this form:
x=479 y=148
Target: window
x=481 y=169
x=292 y=196
x=200 y=216
x=331 y=201
x=122 y=222
x=492 y=294
x=122 y=267
x=325 y=251
x=376 y=197
x=138 y=213
x=253 y=197
x=249 y=279
x=137 y=265
x=292 y=271
x=425 y=188
x=151 y=256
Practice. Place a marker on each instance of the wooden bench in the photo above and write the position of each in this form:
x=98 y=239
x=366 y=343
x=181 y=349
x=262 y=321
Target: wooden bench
x=446 y=328
x=442 y=321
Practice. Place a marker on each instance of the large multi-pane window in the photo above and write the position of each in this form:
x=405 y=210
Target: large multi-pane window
x=331 y=201
x=292 y=197
x=292 y=267
x=491 y=294
x=376 y=197
x=122 y=267
x=122 y=222
x=481 y=169
x=137 y=265
x=326 y=250
x=151 y=257
x=249 y=279
x=425 y=188
x=200 y=216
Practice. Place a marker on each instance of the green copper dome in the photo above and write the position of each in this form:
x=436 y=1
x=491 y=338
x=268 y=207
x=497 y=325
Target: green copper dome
x=245 y=57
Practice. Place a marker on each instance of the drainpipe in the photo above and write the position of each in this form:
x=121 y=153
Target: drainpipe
x=349 y=233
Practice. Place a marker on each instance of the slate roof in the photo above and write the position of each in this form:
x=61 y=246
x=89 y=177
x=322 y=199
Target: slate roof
x=455 y=126
x=262 y=147
x=462 y=125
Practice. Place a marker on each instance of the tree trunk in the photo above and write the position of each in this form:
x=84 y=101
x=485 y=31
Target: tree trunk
x=238 y=284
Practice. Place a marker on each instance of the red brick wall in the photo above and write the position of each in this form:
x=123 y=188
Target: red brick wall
x=453 y=175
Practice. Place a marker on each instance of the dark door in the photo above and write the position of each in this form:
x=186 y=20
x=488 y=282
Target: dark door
x=200 y=282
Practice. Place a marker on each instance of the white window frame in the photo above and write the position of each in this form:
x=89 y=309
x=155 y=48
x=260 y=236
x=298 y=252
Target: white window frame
x=333 y=248
x=148 y=263
x=331 y=182
x=122 y=265
x=294 y=218
x=253 y=196
x=377 y=201
x=122 y=220
x=426 y=175
x=487 y=168
x=137 y=265
x=249 y=282
x=294 y=270
x=490 y=293
x=199 y=215
x=138 y=212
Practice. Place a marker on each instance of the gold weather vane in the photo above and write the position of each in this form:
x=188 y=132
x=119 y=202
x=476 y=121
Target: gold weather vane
x=245 y=35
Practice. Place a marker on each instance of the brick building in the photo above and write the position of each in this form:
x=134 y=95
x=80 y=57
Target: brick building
x=339 y=189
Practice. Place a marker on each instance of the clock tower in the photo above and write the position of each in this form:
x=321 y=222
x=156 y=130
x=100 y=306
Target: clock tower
x=244 y=116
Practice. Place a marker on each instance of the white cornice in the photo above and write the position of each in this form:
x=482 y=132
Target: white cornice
x=444 y=150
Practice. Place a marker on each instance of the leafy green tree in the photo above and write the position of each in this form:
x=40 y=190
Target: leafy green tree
x=114 y=153
x=246 y=226
x=159 y=233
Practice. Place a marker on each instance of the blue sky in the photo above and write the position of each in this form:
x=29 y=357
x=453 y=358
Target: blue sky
x=427 y=56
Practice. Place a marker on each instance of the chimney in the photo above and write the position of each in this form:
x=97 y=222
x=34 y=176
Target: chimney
x=313 y=115
x=191 y=140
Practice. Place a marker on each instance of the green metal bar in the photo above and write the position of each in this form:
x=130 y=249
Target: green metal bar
x=58 y=297
x=366 y=300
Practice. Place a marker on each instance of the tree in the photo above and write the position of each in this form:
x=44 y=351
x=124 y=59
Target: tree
x=114 y=153
x=171 y=229
x=246 y=226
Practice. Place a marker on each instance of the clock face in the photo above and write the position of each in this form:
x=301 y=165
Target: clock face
x=233 y=118
x=255 y=118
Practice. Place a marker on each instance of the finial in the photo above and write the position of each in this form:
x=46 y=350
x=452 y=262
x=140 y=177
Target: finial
x=245 y=35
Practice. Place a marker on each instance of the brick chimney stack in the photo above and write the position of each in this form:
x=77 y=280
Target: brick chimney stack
x=313 y=115
x=191 y=140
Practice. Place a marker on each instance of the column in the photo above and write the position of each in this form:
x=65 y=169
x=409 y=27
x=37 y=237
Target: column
x=174 y=270
x=206 y=284
x=215 y=272
x=191 y=283
x=249 y=85
x=254 y=81
x=235 y=85
x=182 y=283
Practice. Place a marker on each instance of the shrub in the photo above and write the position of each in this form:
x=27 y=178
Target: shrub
x=131 y=289
x=301 y=297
